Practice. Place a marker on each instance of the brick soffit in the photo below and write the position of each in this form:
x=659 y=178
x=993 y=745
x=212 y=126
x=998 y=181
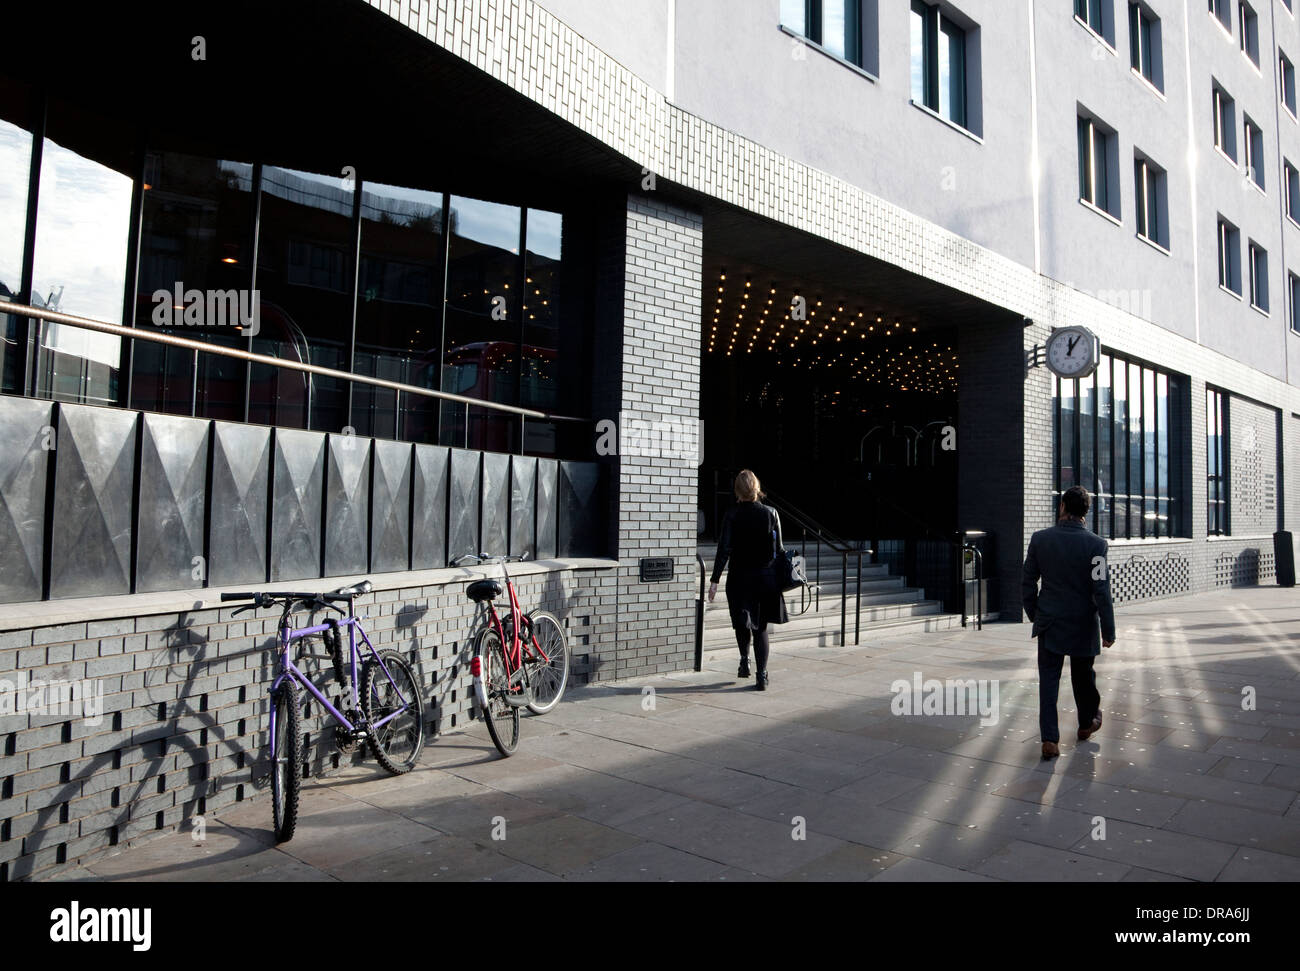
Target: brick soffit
x=533 y=52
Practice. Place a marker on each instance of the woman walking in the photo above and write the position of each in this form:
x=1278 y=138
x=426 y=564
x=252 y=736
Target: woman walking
x=750 y=539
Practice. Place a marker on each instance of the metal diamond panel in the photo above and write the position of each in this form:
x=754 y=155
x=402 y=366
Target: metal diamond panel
x=581 y=511
x=241 y=468
x=94 y=483
x=548 y=492
x=463 y=507
x=390 y=508
x=496 y=502
x=523 y=506
x=297 y=492
x=429 y=516
x=26 y=437
x=170 y=552
x=347 y=506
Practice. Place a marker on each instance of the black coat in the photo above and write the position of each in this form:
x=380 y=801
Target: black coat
x=751 y=534
x=1073 y=612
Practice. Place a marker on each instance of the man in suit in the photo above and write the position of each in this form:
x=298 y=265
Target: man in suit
x=1070 y=560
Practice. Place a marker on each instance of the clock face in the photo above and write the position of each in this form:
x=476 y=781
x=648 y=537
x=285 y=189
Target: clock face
x=1072 y=352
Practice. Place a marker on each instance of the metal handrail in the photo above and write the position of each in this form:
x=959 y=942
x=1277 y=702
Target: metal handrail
x=135 y=333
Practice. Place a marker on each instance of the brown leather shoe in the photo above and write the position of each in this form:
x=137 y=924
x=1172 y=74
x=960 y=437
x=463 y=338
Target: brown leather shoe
x=1051 y=750
x=1086 y=733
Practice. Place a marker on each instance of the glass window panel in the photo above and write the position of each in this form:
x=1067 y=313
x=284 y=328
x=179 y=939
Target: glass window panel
x=15 y=165
x=1135 y=450
x=1163 y=440
x=920 y=61
x=484 y=300
x=1105 y=501
x=835 y=26
x=1149 y=429
x=952 y=72
x=305 y=283
x=196 y=225
x=1120 y=431
x=794 y=15
x=83 y=224
x=539 y=379
x=1087 y=406
x=399 y=299
x=1067 y=452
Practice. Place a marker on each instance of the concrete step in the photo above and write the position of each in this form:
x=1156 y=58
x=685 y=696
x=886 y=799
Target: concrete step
x=785 y=633
x=719 y=629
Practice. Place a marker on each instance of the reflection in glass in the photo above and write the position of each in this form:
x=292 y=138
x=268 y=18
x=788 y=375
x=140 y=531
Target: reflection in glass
x=539 y=377
x=83 y=225
x=305 y=282
x=398 y=312
x=952 y=71
x=15 y=163
x=484 y=300
x=793 y=15
x=1162 y=489
x=197 y=223
x=1067 y=469
x=919 y=16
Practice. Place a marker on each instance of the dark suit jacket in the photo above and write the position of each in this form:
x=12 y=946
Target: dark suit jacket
x=1075 y=593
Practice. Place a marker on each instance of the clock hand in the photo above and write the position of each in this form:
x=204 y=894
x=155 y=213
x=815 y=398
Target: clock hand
x=1073 y=344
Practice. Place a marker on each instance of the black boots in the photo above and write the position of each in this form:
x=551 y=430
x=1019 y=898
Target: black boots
x=760 y=680
x=744 y=668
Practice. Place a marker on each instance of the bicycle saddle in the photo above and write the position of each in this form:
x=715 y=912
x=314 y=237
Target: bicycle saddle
x=481 y=590
x=356 y=590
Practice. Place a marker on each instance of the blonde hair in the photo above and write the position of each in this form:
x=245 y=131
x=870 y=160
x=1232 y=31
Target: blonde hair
x=747 y=487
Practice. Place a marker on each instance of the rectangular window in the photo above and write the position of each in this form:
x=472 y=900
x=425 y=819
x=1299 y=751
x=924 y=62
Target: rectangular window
x=1253 y=143
x=1229 y=257
x=1293 y=292
x=1150 y=184
x=1144 y=44
x=1258 y=277
x=1216 y=466
x=1292 y=190
x=1225 y=123
x=940 y=64
x=836 y=26
x=1286 y=82
x=1097 y=16
x=1096 y=171
x=1249 y=25
x=1222 y=10
x=1117 y=435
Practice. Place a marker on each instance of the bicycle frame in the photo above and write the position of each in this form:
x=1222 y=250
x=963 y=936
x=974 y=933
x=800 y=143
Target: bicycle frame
x=288 y=669
x=515 y=649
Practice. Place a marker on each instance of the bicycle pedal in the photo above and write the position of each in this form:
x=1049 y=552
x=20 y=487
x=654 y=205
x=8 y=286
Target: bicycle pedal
x=517 y=701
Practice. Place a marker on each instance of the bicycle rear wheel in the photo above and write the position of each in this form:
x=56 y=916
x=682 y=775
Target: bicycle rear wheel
x=286 y=767
x=502 y=719
x=397 y=743
x=549 y=677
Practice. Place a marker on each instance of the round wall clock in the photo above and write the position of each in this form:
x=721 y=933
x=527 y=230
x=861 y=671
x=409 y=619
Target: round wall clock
x=1073 y=352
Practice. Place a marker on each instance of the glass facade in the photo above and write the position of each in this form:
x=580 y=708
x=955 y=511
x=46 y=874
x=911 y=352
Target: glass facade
x=410 y=285
x=1118 y=434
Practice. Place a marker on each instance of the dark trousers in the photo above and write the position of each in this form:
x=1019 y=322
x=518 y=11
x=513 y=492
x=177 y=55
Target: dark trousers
x=760 y=646
x=1083 y=679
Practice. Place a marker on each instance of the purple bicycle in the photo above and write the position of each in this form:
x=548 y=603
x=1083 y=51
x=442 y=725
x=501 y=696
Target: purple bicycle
x=387 y=712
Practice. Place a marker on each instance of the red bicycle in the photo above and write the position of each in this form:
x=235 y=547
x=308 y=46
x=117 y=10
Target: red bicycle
x=520 y=660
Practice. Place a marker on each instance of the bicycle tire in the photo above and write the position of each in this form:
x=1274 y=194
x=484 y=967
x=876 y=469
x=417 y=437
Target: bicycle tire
x=286 y=767
x=397 y=749
x=549 y=679
x=502 y=720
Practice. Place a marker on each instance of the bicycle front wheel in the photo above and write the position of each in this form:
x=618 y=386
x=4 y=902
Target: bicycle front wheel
x=286 y=767
x=549 y=676
x=396 y=696
x=502 y=719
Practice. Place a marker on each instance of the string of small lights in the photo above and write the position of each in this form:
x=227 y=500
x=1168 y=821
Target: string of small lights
x=871 y=347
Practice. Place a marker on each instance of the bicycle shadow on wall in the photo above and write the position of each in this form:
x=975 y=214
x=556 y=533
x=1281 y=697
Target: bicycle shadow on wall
x=157 y=744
